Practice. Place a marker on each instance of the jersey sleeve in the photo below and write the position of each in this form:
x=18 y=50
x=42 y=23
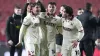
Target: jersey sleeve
x=58 y=21
x=26 y=21
x=23 y=29
x=59 y=24
x=80 y=29
x=22 y=32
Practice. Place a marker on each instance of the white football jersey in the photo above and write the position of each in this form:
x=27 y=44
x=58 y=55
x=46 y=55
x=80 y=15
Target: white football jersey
x=71 y=30
x=32 y=31
x=51 y=24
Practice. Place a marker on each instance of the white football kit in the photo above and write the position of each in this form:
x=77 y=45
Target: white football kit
x=51 y=24
x=30 y=31
x=72 y=30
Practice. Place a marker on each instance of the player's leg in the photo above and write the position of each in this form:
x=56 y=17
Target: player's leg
x=30 y=49
x=66 y=49
x=59 y=39
x=43 y=42
x=43 y=49
x=58 y=49
x=76 y=51
x=64 y=52
x=52 y=47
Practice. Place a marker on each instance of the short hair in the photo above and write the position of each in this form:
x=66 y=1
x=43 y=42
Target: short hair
x=88 y=6
x=60 y=15
x=17 y=6
x=35 y=4
x=42 y=6
x=64 y=6
x=69 y=10
x=80 y=9
x=52 y=3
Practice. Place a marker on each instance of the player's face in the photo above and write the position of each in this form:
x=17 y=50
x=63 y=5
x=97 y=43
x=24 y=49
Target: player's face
x=51 y=9
x=61 y=9
x=17 y=11
x=64 y=14
x=36 y=9
x=28 y=8
x=80 y=12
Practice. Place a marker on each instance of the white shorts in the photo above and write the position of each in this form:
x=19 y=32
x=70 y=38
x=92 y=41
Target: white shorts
x=51 y=48
x=58 y=48
x=30 y=49
x=70 y=51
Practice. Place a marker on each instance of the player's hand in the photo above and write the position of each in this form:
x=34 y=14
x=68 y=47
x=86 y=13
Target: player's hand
x=18 y=45
x=97 y=42
x=10 y=42
x=75 y=43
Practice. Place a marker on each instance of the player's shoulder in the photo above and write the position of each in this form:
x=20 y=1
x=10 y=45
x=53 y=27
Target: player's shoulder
x=57 y=17
x=28 y=16
x=76 y=20
x=42 y=15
